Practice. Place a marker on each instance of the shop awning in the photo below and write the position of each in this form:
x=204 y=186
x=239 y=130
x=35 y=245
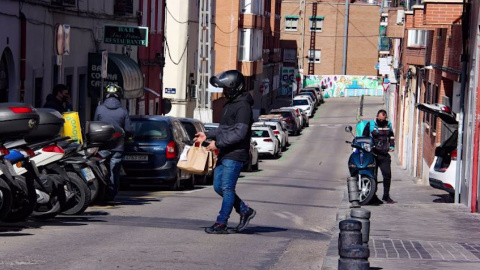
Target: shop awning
x=121 y=70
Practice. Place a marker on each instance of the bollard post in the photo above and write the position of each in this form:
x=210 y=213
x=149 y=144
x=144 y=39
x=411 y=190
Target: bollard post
x=353 y=193
x=354 y=258
x=353 y=255
x=362 y=215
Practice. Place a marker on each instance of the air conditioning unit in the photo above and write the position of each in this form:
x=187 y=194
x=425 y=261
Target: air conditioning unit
x=400 y=16
x=65 y=3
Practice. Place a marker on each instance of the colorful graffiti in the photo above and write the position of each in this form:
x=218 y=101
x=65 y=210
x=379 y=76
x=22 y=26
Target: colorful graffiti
x=346 y=85
x=286 y=81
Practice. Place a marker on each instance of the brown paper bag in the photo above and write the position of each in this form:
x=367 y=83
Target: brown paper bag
x=212 y=161
x=197 y=161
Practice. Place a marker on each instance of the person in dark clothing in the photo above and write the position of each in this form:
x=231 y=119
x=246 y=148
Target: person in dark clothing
x=112 y=112
x=60 y=99
x=232 y=139
x=382 y=133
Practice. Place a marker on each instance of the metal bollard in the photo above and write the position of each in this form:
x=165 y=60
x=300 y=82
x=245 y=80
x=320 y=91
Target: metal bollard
x=354 y=258
x=362 y=215
x=353 y=192
x=350 y=233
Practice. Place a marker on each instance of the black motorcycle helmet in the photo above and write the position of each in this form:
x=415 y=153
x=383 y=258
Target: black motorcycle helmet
x=232 y=80
x=113 y=90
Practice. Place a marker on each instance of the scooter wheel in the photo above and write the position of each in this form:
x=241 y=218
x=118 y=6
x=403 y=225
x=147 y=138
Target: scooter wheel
x=5 y=199
x=82 y=195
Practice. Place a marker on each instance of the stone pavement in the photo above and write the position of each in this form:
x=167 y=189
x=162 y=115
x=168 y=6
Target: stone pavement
x=424 y=230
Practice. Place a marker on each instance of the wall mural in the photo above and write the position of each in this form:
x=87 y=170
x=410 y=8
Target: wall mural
x=346 y=85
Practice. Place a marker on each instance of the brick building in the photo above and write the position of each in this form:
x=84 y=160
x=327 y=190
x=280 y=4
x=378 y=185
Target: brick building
x=318 y=26
x=247 y=39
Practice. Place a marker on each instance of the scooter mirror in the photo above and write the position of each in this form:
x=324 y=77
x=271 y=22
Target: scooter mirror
x=348 y=129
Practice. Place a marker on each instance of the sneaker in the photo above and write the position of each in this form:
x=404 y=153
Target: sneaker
x=245 y=219
x=217 y=228
x=389 y=200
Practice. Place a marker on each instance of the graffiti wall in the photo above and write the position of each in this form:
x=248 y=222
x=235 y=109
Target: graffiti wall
x=287 y=78
x=346 y=85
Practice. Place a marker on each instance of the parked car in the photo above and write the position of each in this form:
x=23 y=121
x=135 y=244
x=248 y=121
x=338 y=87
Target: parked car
x=267 y=142
x=313 y=92
x=291 y=120
x=297 y=114
x=443 y=169
x=193 y=126
x=319 y=92
x=306 y=118
x=277 y=130
x=311 y=96
x=210 y=126
x=278 y=118
x=252 y=163
x=152 y=156
x=304 y=103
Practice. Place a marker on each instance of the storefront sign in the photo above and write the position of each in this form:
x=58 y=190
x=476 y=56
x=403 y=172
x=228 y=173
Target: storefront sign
x=126 y=35
x=170 y=90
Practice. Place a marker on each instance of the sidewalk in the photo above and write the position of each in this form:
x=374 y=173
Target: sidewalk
x=424 y=230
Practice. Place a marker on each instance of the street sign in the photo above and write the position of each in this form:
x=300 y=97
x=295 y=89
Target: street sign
x=126 y=35
x=104 y=67
x=170 y=90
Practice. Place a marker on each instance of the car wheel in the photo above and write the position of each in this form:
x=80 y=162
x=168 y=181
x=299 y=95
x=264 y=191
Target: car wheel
x=248 y=166
x=255 y=167
x=176 y=183
x=190 y=183
x=200 y=179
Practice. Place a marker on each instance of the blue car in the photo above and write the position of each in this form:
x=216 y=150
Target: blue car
x=151 y=157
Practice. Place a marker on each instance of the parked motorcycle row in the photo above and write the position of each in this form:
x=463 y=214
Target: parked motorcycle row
x=43 y=174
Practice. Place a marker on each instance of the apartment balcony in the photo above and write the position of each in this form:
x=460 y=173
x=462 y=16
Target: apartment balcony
x=250 y=68
x=251 y=21
x=384 y=44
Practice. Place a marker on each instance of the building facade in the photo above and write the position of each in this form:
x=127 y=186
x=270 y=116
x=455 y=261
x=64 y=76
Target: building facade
x=312 y=37
x=50 y=42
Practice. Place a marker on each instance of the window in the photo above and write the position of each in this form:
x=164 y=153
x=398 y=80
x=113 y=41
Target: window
x=291 y=23
x=417 y=38
x=123 y=7
x=316 y=24
x=314 y=56
x=250 y=45
x=252 y=7
x=431 y=97
x=290 y=55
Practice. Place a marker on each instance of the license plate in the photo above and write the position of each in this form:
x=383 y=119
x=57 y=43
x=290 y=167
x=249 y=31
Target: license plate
x=88 y=174
x=136 y=157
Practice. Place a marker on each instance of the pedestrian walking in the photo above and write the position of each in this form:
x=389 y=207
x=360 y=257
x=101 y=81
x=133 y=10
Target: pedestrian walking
x=381 y=131
x=232 y=139
x=60 y=99
x=112 y=112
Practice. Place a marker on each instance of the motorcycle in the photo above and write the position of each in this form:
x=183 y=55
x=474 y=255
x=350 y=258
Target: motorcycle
x=17 y=198
x=362 y=166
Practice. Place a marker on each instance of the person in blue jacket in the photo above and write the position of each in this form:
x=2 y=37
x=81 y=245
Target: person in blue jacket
x=232 y=139
x=112 y=112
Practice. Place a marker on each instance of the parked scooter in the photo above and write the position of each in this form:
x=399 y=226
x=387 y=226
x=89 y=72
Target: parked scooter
x=18 y=197
x=361 y=165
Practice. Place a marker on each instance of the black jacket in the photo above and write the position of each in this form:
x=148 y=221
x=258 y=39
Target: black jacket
x=53 y=103
x=383 y=137
x=233 y=135
x=112 y=112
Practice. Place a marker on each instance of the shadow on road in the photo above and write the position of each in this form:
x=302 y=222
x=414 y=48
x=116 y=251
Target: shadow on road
x=13 y=229
x=443 y=198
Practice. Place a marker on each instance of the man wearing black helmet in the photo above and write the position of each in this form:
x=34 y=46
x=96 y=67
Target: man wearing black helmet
x=382 y=133
x=112 y=112
x=232 y=139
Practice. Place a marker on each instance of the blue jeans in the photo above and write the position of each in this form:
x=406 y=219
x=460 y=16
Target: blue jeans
x=225 y=179
x=115 y=161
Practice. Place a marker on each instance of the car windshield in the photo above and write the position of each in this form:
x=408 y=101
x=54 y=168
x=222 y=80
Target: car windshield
x=150 y=130
x=297 y=102
x=190 y=128
x=260 y=133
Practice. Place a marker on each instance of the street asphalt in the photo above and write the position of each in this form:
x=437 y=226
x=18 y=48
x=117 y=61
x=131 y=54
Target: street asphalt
x=296 y=197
